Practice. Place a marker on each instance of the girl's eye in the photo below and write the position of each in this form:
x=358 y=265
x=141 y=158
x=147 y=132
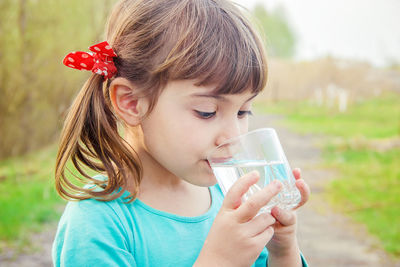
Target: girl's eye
x=243 y=113
x=205 y=115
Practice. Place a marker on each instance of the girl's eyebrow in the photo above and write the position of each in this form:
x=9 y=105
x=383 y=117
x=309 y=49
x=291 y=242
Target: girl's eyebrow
x=253 y=96
x=220 y=97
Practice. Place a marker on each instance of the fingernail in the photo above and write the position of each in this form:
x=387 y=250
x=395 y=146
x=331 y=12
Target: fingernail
x=277 y=184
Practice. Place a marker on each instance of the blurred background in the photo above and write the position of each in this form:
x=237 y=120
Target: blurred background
x=334 y=72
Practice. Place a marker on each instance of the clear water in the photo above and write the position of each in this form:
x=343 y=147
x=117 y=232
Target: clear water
x=228 y=173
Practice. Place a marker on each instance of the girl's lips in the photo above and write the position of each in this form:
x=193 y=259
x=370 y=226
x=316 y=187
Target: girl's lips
x=221 y=160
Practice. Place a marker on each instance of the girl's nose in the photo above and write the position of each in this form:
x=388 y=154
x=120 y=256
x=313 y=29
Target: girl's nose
x=227 y=131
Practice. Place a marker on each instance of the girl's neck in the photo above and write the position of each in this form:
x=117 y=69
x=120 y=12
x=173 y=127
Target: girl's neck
x=166 y=192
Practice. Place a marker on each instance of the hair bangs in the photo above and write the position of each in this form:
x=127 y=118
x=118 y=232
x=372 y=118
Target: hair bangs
x=233 y=74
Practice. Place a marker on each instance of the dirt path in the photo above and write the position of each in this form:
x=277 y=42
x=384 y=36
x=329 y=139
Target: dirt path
x=39 y=254
x=326 y=238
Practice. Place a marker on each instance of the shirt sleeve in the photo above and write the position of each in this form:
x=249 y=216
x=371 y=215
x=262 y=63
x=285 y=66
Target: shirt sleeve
x=262 y=260
x=91 y=234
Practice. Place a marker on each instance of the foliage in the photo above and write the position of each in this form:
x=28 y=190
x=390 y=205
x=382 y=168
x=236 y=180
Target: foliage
x=364 y=146
x=280 y=37
x=35 y=87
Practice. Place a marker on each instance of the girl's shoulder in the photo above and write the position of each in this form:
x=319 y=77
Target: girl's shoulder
x=92 y=208
x=84 y=215
x=90 y=230
x=96 y=211
x=88 y=216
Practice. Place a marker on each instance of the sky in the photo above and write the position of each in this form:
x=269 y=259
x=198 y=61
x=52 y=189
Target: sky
x=364 y=30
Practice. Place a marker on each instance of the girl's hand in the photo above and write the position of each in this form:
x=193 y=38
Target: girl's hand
x=237 y=235
x=284 y=242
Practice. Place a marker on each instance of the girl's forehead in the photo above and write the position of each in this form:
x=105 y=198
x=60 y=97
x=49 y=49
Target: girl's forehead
x=191 y=86
x=245 y=96
x=190 y=89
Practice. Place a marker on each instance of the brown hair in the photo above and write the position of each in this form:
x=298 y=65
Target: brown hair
x=209 y=41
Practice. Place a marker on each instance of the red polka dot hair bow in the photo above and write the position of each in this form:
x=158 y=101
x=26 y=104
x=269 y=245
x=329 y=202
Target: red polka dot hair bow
x=99 y=61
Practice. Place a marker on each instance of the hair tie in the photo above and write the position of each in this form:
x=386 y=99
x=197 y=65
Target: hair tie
x=99 y=61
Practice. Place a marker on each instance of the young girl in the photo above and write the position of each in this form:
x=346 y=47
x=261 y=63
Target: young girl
x=175 y=79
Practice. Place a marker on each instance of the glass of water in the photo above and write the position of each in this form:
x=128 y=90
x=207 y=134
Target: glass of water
x=258 y=150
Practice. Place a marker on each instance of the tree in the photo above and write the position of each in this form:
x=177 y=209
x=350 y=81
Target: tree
x=280 y=37
x=35 y=88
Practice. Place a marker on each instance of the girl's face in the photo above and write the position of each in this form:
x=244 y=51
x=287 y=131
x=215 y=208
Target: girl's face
x=186 y=123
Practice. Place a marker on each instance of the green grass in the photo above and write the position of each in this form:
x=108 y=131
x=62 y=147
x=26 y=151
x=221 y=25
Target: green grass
x=28 y=199
x=369 y=190
x=27 y=196
x=373 y=118
x=368 y=183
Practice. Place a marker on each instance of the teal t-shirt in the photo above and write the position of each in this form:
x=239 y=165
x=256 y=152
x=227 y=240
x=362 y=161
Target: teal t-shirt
x=114 y=233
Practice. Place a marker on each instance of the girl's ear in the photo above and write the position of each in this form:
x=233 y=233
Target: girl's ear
x=126 y=101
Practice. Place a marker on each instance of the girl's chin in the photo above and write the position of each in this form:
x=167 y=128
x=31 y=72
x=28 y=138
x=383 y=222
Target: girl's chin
x=210 y=181
x=205 y=180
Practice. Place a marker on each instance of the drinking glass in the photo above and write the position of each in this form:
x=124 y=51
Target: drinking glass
x=256 y=150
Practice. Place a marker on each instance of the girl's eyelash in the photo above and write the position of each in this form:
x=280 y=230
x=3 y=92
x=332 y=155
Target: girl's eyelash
x=242 y=113
x=208 y=115
x=205 y=115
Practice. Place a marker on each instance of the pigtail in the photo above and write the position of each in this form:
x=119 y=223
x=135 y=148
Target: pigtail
x=91 y=142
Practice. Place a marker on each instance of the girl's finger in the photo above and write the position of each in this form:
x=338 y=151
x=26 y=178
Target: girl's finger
x=304 y=192
x=260 y=223
x=265 y=236
x=233 y=198
x=297 y=173
x=255 y=202
x=284 y=217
